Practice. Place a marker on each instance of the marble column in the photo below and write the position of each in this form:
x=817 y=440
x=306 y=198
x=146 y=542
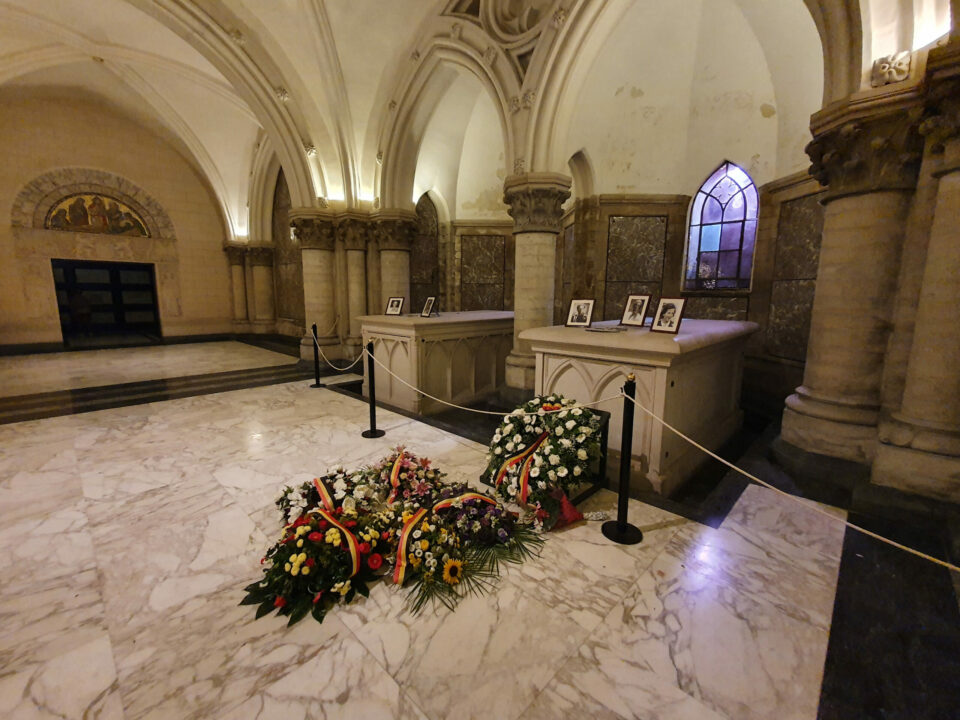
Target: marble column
x=396 y=230
x=315 y=236
x=920 y=443
x=260 y=261
x=870 y=166
x=534 y=202
x=238 y=284
x=353 y=233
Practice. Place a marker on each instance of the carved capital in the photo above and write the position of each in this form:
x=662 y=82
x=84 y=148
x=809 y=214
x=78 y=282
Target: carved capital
x=534 y=201
x=234 y=253
x=313 y=232
x=942 y=118
x=353 y=233
x=868 y=154
x=260 y=255
x=396 y=233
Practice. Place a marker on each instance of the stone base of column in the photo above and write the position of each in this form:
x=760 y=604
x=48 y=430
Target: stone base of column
x=817 y=433
x=918 y=472
x=331 y=347
x=521 y=371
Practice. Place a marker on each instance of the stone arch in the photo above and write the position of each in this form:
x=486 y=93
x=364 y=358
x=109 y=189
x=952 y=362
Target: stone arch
x=40 y=195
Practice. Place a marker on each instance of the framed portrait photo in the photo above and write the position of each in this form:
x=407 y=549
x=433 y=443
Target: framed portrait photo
x=394 y=306
x=428 y=306
x=668 y=315
x=635 y=310
x=580 y=313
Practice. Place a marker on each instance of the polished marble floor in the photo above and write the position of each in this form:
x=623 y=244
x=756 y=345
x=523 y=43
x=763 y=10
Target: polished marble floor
x=126 y=536
x=47 y=372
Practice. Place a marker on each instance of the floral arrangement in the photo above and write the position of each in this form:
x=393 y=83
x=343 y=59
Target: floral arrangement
x=540 y=453
x=399 y=517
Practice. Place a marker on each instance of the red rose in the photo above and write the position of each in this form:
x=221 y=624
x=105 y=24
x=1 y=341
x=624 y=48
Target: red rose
x=279 y=602
x=375 y=561
x=323 y=524
x=364 y=548
x=316 y=598
x=311 y=562
x=351 y=523
x=315 y=537
x=385 y=535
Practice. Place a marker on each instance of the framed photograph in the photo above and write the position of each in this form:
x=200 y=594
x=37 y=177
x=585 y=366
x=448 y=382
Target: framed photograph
x=428 y=307
x=394 y=306
x=580 y=313
x=668 y=315
x=635 y=310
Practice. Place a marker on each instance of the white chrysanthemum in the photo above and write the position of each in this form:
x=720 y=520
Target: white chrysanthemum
x=512 y=490
x=496 y=437
x=582 y=454
x=562 y=413
x=349 y=505
x=552 y=398
x=538 y=460
x=577 y=470
x=585 y=430
x=554 y=459
x=541 y=412
x=517 y=438
x=565 y=443
x=541 y=484
x=416 y=534
x=508 y=429
x=497 y=451
x=571 y=424
x=510 y=447
x=561 y=472
x=581 y=438
x=577 y=411
x=534 y=472
x=559 y=430
x=536 y=401
x=552 y=475
x=521 y=446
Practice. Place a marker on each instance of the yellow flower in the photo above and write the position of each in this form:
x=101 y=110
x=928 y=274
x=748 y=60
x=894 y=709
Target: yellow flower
x=286 y=567
x=414 y=560
x=302 y=557
x=425 y=526
x=424 y=544
x=305 y=571
x=452 y=570
x=406 y=516
x=295 y=570
x=333 y=536
x=300 y=543
x=346 y=588
x=302 y=530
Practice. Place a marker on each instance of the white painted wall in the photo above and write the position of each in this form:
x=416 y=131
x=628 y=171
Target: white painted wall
x=482 y=170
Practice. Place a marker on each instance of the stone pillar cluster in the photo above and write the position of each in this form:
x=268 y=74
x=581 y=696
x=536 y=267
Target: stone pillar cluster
x=534 y=202
x=882 y=379
x=251 y=280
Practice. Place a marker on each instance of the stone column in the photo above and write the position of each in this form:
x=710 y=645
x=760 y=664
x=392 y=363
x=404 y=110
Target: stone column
x=533 y=202
x=353 y=233
x=238 y=284
x=920 y=448
x=870 y=167
x=260 y=259
x=373 y=273
x=396 y=231
x=315 y=235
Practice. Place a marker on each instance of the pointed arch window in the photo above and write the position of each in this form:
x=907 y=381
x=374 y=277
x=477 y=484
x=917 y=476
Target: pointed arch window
x=722 y=231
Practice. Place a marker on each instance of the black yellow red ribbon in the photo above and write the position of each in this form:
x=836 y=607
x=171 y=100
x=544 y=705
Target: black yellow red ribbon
x=325 y=497
x=526 y=458
x=444 y=504
x=395 y=479
x=348 y=537
x=401 y=565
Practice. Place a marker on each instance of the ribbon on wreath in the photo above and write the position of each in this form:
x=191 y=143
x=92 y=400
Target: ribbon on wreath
x=525 y=460
x=395 y=478
x=348 y=536
x=325 y=496
x=400 y=568
x=444 y=504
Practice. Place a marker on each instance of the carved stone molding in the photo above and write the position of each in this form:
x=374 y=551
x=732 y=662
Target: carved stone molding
x=869 y=154
x=260 y=255
x=353 y=232
x=235 y=253
x=395 y=233
x=942 y=121
x=534 y=201
x=313 y=233
x=890 y=69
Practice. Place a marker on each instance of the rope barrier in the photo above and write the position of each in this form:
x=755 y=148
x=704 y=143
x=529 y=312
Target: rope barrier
x=795 y=499
x=327 y=361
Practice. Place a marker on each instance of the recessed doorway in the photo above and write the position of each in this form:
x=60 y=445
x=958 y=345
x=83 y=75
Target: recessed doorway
x=104 y=304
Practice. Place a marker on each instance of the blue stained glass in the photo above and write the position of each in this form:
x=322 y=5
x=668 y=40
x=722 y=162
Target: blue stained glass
x=709 y=238
x=724 y=190
x=714 y=178
x=734 y=208
x=730 y=236
x=712 y=212
x=738 y=176
x=708 y=265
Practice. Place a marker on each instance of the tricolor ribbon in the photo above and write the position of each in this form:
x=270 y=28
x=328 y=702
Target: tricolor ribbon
x=325 y=497
x=395 y=479
x=526 y=458
x=401 y=565
x=351 y=540
x=444 y=504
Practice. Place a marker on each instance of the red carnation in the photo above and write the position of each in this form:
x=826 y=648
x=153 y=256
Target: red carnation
x=375 y=561
x=279 y=602
x=351 y=523
x=323 y=524
x=310 y=562
x=316 y=598
x=315 y=537
x=364 y=548
x=385 y=534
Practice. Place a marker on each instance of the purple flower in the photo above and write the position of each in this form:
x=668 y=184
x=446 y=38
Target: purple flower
x=502 y=535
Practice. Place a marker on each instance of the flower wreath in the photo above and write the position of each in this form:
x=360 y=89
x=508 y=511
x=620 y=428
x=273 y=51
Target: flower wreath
x=541 y=452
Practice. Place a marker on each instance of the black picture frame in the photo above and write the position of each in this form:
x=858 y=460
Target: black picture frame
x=670 y=325
x=634 y=316
x=394 y=306
x=580 y=313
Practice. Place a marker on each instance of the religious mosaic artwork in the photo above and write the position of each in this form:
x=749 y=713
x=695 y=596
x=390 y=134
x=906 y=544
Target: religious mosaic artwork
x=398 y=519
x=95 y=213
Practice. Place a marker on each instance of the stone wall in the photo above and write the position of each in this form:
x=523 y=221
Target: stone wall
x=425 y=255
x=287 y=264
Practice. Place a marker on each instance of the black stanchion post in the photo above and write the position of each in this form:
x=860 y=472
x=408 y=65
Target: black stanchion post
x=316 y=358
x=619 y=530
x=372 y=389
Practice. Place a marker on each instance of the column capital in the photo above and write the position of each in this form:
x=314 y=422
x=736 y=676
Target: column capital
x=260 y=255
x=868 y=154
x=941 y=122
x=395 y=229
x=235 y=253
x=534 y=201
x=353 y=232
x=313 y=232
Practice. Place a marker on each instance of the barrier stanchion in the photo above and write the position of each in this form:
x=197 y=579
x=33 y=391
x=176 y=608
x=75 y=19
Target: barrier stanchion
x=372 y=390
x=619 y=530
x=316 y=358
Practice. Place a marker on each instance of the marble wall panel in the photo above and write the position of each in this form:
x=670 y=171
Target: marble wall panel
x=484 y=284
x=481 y=296
x=791 y=305
x=717 y=308
x=635 y=248
x=424 y=253
x=287 y=261
x=798 y=238
x=509 y=265
x=617 y=293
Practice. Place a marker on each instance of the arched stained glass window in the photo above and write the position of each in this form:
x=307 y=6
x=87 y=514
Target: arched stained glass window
x=723 y=231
